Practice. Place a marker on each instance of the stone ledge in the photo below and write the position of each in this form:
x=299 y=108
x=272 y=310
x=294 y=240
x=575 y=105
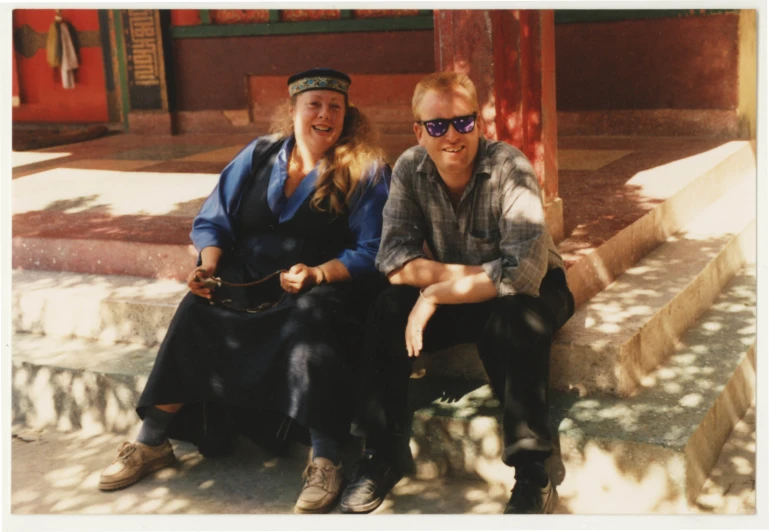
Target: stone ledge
x=111 y=308
x=651 y=451
x=626 y=330
x=109 y=257
x=679 y=192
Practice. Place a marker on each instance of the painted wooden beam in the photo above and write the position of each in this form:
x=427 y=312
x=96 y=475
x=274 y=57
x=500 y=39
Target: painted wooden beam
x=117 y=22
x=287 y=28
x=571 y=16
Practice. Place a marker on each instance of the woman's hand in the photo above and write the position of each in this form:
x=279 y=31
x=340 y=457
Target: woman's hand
x=198 y=288
x=421 y=313
x=300 y=277
x=209 y=259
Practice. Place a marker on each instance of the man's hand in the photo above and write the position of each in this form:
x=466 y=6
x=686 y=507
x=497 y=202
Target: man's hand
x=299 y=278
x=421 y=313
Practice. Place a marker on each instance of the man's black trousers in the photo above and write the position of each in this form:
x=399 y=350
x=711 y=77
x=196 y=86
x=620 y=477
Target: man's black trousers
x=513 y=335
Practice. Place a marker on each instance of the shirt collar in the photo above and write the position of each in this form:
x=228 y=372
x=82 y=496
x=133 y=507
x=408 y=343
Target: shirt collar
x=482 y=160
x=482 y=163
x=285 y=150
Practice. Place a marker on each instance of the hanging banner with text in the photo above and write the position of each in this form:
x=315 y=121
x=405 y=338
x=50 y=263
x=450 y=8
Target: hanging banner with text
x=144 y=60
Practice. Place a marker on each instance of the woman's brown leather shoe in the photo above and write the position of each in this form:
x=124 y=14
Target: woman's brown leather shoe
x=134 y=462
x=323 y=482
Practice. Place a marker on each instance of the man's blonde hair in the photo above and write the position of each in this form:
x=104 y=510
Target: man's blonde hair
x=442 y=82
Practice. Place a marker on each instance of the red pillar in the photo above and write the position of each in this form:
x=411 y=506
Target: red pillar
x=15 y=82
x=510 y=56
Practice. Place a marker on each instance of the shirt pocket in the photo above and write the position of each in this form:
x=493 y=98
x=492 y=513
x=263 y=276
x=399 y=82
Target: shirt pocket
x=484 y=242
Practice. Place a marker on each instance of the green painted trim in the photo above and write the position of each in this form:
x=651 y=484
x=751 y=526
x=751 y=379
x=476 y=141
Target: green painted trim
x=314 y=26
x=572 y=16
x=110 y=86
x=205 y=16
x=426 y=12
x=345 y=13
x=274 y=15
x=117 y=18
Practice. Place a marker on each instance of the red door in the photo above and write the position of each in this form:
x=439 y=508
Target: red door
x=42 y=98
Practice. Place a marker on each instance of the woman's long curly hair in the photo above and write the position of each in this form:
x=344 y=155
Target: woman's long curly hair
x=344 y=165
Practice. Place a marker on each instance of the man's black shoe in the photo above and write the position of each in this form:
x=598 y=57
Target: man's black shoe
x=373 y=480
x=530 y=498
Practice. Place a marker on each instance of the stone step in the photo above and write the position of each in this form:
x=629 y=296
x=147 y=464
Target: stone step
x=108 y=221
x=629 y=328
x=128 y=243
x=105 y=257
x=677 y=193
x=650 y=452
x=607 y=346
x=84 y=218
x=76 y=383
x=618 y=336
x=111 y=308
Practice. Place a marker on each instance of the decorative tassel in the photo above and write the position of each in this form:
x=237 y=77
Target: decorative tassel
x=53 y=45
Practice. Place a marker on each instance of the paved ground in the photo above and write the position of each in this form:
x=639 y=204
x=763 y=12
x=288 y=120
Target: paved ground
x=57 y=473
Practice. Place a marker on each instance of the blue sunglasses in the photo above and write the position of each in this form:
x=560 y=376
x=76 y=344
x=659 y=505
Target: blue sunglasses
x=440 y=126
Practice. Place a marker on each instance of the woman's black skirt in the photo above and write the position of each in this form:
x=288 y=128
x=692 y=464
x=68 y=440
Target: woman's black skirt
x=239 y=371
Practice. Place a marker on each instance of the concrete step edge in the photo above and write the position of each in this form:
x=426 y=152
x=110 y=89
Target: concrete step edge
x=462 y=438
x=97 y=257
x=76 y=383
x=597 y=269
x=106 y=307
x=608 y=331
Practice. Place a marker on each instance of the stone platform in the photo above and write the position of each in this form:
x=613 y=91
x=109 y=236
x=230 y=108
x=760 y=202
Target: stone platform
x=665 y=438
x=99 y=236
x=123 y=204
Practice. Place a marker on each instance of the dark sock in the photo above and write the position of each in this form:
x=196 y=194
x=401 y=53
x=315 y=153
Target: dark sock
x=534 y=471
x=154 y=426
x=324 y=446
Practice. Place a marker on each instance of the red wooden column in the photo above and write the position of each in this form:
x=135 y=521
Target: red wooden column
x=15 y=83
x=510 y=56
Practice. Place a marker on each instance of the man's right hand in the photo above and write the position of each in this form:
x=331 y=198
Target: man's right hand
x=199 y=288
x=418 y=318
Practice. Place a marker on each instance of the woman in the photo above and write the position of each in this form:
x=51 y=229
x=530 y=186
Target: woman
x=306 y=203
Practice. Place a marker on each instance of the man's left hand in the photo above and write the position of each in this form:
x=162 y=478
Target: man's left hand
x=421 y=313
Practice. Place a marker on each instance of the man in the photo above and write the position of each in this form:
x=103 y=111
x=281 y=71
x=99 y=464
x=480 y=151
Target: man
x=493 y=277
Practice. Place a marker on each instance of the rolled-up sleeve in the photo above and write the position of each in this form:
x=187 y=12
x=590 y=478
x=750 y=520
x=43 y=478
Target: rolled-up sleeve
x=213 y=225
x=365 y=222
x=403 y=231
x=523 y=242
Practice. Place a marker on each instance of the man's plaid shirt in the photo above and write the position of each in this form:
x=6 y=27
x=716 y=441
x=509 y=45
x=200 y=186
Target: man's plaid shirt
x=500 y=222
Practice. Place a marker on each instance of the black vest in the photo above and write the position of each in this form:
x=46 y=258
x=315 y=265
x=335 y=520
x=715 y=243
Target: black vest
x=262 y=244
